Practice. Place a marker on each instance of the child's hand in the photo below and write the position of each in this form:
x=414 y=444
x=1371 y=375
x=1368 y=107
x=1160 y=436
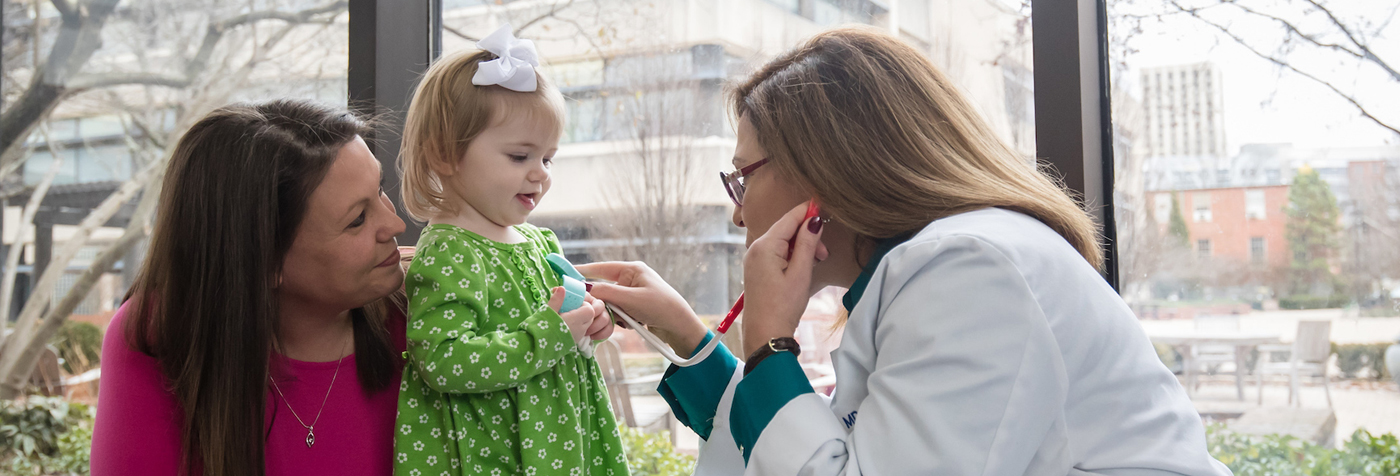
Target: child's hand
x=579 y=320
x=601 y=328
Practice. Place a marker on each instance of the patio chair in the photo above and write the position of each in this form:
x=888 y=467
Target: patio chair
x=1209 y=358
x=1310 y=355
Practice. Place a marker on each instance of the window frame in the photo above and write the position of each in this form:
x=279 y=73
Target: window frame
x=391 y=44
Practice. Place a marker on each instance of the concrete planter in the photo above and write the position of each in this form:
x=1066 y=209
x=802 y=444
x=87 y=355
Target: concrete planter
x=1392 y=362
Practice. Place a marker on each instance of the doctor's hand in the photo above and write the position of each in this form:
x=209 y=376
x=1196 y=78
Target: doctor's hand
x=776 y=286
x=648 y=299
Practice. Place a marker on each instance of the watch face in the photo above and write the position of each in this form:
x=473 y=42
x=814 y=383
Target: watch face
x=782 y=344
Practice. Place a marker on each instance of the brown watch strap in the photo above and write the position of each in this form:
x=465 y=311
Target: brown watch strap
x=775 y=345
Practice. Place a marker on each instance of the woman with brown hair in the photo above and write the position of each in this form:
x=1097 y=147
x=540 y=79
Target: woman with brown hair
x=980 y=337
x=272 y=270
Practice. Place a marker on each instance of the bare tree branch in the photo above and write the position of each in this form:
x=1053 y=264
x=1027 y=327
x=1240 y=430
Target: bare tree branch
x=460 y=33
x=1287 y=25
x=29 y=316
x=27 y=355
x=1289 y=66
x=79 y=39
x=7 y=283
x=97 y=81
x=1365 y=50
x=553 y=9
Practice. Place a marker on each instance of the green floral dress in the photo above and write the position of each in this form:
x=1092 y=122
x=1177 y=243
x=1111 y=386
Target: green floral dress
x=494 y=382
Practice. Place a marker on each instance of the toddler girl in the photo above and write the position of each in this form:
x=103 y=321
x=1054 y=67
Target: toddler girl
x=494 y=383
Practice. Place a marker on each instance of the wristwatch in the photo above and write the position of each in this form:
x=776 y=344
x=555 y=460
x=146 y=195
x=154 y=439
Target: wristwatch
x=775 y=345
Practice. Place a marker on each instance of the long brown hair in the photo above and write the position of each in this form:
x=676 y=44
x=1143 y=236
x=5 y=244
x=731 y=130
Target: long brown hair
x=205 y=307
x=888 y=144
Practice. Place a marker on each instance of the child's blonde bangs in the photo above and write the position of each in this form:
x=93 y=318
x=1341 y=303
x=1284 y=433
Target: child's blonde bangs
x=448 y=112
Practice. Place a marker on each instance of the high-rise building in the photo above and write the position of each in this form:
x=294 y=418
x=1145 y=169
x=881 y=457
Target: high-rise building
x=1184 y=111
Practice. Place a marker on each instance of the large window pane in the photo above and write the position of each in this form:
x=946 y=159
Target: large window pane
x=1257 y=177
x=644 y=81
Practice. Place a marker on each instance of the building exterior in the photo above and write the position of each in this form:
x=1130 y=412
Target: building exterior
x=636 y=173
x=1236 y=225
x=1184 y=111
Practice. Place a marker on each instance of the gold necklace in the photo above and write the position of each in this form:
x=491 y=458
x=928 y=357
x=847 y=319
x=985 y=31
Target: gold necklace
x=311 y=429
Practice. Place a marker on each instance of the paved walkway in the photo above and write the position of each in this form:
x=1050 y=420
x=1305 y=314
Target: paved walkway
x=1374 y=406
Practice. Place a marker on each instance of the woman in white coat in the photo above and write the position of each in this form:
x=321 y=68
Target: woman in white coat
x=980 y=337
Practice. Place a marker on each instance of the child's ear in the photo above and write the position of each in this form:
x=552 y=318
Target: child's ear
x=444 y=168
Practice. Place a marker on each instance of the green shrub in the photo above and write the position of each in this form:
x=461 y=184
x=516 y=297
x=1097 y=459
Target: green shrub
x=79 y=344
x=1306 y=301
x=1281 y=455
x=45 y=435
x=1353 y=358
x=651 y=454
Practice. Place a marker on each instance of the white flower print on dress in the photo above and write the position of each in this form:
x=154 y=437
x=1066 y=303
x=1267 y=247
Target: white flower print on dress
x=458 y=257
x=464 y=283
x=418 y=445
x=486 y=372
x=476 y=268
x=447 y=271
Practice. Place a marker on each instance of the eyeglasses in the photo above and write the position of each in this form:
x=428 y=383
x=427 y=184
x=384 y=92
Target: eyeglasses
x=734 y=181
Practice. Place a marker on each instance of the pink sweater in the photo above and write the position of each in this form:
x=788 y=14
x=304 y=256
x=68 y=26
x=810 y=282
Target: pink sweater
x=138 y=420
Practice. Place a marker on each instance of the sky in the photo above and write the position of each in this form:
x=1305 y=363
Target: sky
x=1266 y=105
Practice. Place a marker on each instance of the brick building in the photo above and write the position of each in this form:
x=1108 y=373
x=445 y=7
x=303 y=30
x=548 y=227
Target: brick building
x=1245 y=225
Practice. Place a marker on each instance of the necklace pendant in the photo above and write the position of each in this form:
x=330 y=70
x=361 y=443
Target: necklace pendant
x=310 y=438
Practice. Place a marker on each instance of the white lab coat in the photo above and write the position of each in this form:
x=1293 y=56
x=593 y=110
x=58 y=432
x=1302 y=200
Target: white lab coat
x=984 y=345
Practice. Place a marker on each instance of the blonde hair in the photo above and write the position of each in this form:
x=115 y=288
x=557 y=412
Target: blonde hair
x=447 y=113
x=888 y=144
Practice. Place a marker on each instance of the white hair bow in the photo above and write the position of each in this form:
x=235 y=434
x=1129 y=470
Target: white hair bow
x=514 y=69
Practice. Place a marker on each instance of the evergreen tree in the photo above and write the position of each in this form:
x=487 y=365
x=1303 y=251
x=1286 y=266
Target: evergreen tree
x=1312 y=232
x=1176 y=227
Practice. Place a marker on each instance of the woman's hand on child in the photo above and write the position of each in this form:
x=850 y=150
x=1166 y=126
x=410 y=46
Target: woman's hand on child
x=601 y=328
x=648 y=299
x=581 y=319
